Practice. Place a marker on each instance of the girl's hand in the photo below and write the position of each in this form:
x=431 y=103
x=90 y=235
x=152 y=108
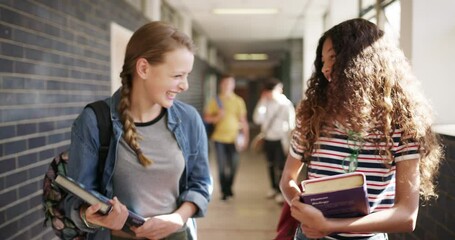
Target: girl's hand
x=314 y=223
x=159 y=227
x=114 y=220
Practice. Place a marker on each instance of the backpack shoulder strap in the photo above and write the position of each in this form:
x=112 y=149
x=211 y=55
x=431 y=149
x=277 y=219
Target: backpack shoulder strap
x=218 y=102
x=103 y=118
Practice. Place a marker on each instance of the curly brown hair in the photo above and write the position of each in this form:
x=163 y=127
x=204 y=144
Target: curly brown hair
x=372 y=86
x=151 y=41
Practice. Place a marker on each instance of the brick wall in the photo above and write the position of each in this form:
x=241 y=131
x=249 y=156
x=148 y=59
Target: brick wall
x=436 y=219
x=54 y=59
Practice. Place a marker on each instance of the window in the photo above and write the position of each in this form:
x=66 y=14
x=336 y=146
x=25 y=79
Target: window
x=168 y=14
x=385 y=13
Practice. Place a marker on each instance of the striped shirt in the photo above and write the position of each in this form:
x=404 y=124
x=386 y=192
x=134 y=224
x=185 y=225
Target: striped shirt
x=330 y=153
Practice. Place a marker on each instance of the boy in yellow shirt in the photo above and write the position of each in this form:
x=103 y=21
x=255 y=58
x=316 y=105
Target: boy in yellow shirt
x=228 y=113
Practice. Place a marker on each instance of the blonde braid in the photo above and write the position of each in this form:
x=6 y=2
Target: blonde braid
x=130 y=134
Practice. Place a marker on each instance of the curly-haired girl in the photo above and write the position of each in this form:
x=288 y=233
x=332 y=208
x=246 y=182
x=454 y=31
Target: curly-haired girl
x=363 y=95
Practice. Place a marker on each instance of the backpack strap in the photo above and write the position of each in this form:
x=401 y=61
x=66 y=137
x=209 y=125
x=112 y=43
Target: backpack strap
x=218 y=102
x=103 y=118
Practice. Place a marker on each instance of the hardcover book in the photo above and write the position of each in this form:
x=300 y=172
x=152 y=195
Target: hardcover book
x=338 y=196
x=93 y=197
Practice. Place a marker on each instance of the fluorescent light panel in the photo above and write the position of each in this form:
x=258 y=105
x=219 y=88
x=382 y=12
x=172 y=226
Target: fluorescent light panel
x=245 y=11
x=251 y=56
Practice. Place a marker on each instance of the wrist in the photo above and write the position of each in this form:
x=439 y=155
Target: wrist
x=186 y=211
x=84 y=219
x=182 y=218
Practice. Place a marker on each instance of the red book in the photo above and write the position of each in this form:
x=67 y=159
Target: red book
x=338 y=196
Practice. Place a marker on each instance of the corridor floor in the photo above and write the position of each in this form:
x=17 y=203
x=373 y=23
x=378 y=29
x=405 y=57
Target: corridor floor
x=249 y=215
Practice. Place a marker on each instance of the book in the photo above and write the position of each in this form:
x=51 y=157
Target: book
x=338 y=196
x=92 y=197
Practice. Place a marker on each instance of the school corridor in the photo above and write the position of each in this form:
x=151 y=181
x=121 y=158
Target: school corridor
x=249 y=214
x=58 y=55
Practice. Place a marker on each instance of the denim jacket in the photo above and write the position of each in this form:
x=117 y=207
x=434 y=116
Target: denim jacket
x=183 y=121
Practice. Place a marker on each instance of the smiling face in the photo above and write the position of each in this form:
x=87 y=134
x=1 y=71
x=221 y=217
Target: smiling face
x=328 y=59
x=162 y=82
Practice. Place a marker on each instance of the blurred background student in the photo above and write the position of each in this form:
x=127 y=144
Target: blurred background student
x=275 y=114
x=228 y=113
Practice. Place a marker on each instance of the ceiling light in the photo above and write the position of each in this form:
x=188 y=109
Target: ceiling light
x=245 y=11
x=251 y=56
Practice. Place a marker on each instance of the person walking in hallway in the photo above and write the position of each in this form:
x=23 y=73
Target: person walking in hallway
x=363 y=112
x=275 y=114
x=228 y=113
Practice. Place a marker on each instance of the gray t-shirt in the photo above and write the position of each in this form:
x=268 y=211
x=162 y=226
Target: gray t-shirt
x=152 y=190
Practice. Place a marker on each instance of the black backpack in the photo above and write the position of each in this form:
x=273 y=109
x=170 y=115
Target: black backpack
x=53 y=196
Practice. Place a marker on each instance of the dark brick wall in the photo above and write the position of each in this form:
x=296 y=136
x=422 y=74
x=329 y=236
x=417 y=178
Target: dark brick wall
x=436 y=219
x=54 y=59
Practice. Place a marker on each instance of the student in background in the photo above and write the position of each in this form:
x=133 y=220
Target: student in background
x=363 y=113
x=228 y=113
x=157 y=164
x=275 y=114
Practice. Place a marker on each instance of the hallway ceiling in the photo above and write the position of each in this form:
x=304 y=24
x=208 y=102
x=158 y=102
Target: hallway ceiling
x=250 y=33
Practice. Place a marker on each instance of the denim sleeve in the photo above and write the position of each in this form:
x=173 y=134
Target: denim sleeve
x=82 y=164
x=199 y=182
